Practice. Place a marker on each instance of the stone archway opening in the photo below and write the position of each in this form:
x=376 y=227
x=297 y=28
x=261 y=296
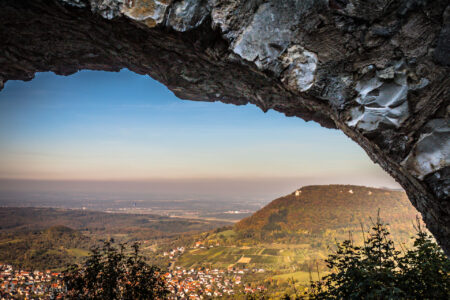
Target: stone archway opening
x=379 y=72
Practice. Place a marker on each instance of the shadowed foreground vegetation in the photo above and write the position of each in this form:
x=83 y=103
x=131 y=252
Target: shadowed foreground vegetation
x=376 y=270
x=373 y=270
x=111 y=273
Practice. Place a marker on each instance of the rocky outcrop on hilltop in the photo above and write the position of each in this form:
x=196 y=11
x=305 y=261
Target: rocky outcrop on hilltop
x=377 y=70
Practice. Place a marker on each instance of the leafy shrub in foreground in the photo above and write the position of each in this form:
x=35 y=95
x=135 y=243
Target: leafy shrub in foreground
x=109 y=274
x=376 y=270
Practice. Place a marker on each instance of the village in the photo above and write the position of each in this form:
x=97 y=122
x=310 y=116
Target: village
x=182 y=283
x=204 y=282
x=20 y=284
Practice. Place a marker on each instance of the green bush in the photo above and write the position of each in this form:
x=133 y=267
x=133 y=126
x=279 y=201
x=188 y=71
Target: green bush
x=376 y=270
x=109 y=274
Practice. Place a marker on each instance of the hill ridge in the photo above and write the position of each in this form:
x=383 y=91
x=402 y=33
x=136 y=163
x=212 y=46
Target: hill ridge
x=314 y=209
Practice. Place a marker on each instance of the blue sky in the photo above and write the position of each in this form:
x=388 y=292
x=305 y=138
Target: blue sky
x=124 y=126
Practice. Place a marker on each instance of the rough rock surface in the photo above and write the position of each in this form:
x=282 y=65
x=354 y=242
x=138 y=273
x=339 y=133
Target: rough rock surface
x=377 y=70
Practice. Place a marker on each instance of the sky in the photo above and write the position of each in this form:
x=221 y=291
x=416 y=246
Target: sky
x=122 y=126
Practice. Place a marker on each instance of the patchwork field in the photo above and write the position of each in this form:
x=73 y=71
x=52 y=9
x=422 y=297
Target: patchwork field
x=272 y=258
x=300 y=276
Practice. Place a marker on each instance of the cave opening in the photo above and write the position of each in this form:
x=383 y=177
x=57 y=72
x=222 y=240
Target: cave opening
x=378 y=73
x=124 y=126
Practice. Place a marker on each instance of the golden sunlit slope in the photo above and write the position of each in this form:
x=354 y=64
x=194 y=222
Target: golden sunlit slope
x=314 y=211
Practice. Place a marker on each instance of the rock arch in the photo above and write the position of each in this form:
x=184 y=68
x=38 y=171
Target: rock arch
x=377 y=70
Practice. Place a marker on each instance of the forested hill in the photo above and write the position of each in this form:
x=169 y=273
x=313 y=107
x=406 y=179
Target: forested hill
x=142 y=226
x=50 y=248
x=323 y=210
x=52 y=238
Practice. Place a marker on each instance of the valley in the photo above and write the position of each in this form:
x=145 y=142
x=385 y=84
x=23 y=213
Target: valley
x=283 y=245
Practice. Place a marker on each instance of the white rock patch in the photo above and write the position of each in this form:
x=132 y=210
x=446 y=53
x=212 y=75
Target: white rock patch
x=382 y=99
x=76 y=3
x=432 y=150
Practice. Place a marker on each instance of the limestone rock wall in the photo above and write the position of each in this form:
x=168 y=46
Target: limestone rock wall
x=377 y=70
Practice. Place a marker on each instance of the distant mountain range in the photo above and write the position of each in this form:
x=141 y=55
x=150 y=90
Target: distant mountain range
x=328 y=211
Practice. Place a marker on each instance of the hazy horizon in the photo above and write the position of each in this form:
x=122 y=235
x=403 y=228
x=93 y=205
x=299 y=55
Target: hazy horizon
x=100 y=126
x=263 y=190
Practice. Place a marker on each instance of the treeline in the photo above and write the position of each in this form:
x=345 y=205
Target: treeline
x=49 y=238
x=141 y=227
x=52 y=248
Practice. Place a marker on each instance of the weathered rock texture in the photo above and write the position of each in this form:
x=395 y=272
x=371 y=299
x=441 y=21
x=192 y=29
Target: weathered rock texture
x=378 y=70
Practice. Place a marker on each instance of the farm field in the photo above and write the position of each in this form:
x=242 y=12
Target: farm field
x=274 y=259
x=300 y=276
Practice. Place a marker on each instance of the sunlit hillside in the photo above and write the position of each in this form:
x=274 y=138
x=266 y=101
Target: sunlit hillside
x=324 y=211
x=294 y=233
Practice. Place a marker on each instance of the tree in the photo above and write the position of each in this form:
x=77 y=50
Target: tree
x=109 y=273
x=425 y=270
x=376 y=270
